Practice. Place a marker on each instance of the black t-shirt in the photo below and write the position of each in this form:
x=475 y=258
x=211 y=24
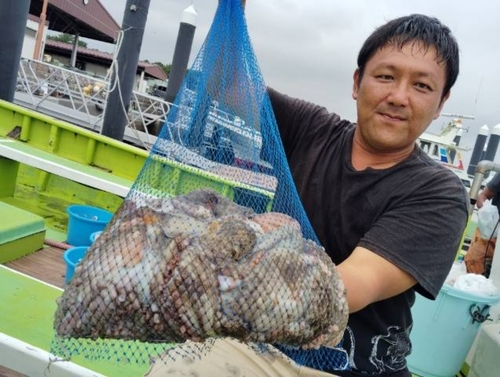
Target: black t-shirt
x=413 y=214
x=494 y=184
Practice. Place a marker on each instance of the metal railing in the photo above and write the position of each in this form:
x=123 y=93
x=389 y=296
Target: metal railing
x=79 y=98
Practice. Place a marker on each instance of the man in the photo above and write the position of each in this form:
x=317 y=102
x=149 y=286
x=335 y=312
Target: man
x=389 y=216
x=491 y=190
x=482 y=248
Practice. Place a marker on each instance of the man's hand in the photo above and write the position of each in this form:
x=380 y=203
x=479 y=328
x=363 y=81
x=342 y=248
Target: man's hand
x=370 y=278
x=483 y=196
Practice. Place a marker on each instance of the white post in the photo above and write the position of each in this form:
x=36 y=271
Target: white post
x=141 y=82
x=74 y=52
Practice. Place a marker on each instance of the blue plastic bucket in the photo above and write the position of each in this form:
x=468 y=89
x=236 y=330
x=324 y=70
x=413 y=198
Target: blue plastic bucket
x=444 y=330
x=72 y=257
x=84 y=220
x=94 y=236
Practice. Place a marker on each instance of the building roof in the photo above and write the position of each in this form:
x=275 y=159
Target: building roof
x=153 y=70
x=96 y=56
x=36 y=19
x=90 y=20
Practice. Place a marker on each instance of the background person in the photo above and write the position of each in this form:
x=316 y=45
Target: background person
x=481 y=250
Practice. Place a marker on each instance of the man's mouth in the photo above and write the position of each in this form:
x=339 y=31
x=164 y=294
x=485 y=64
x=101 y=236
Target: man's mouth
x=393 y=116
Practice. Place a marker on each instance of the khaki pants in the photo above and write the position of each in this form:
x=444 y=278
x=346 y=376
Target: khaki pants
x=230 y=358
x=479 y=252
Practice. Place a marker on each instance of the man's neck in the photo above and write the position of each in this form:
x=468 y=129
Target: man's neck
x=363 y=158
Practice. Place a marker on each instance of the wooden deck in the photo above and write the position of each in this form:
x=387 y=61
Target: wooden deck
x=6 y=372
x=46 y=265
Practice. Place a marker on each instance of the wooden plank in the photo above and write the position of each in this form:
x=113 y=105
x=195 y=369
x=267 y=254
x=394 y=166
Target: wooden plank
x=46 y=265
x=6 y=372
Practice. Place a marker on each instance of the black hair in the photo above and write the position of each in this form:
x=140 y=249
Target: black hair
x=415 y=28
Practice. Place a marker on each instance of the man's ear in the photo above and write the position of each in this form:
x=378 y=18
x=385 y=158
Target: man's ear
x=355 y=84
x=438 y=111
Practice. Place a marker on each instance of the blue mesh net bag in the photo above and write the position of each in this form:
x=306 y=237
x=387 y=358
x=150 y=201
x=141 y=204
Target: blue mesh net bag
x=212 y=240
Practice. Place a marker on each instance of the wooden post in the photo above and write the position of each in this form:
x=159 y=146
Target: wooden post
x=39 y=34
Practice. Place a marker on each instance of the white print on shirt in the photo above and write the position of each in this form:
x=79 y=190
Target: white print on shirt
x=352 y=348
x=389 y=351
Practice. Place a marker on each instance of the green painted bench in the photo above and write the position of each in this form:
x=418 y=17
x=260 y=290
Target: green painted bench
x=23 y=233
x=26 y=332
x=14 y=152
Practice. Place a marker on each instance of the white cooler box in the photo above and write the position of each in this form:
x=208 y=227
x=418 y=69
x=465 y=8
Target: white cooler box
x=485 y=362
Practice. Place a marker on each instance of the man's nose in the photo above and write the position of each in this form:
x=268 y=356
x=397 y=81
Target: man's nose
x=399 y=94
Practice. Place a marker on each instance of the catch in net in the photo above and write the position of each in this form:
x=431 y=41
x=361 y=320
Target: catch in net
x=212 y=240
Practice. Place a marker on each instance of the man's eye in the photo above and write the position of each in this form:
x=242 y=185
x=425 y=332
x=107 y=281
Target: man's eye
x=385 y=77
x=422 y=85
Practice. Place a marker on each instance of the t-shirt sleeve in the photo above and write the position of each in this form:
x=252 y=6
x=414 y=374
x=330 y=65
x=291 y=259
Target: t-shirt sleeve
x=298 y=119
x=422 y=231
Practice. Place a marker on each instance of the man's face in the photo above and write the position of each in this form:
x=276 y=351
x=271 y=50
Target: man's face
x=398 y=96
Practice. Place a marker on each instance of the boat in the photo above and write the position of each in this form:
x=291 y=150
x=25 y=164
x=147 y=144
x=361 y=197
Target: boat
x=38 y=183
x=48 y=164
x=445 y=147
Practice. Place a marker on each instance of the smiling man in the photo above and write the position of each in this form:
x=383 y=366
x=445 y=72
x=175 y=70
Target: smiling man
x=388 y=215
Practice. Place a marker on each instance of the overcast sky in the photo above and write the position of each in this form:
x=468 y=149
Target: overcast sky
x=308 y=49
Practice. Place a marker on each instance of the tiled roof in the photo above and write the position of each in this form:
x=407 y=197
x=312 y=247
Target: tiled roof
x=36 y=19
x=154 y=70
x=90 y=20
x=149 y=69
x=101 y=55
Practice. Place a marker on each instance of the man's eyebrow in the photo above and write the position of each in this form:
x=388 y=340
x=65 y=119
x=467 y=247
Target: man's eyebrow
x=392 y=67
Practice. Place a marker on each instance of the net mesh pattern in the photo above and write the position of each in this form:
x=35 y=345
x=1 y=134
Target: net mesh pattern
x=212 y=240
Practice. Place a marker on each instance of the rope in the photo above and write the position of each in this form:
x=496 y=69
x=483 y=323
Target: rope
x=58 y=244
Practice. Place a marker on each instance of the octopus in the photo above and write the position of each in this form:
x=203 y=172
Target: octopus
x=198 y=266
